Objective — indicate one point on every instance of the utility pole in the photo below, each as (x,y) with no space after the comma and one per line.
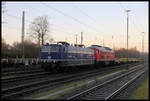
(76,38)
(143,45)
(113,42)
(103,42)
(81,38)
(23,36)
(127,34)
(100,42)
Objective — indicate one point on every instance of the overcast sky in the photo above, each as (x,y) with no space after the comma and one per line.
(98,21)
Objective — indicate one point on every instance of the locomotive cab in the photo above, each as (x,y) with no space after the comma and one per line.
(51,52)
(52,55)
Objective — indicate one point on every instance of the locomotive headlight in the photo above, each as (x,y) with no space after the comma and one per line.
(49,57)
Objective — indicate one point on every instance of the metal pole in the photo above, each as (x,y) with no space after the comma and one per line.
(103,41)
(143,45)
(23,36)
(127,34)
(113,42)
(81,38)
(127,38)
(76,39)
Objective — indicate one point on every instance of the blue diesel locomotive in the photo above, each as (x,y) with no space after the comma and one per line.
(63,55)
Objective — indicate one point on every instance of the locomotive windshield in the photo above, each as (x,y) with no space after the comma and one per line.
(50,48)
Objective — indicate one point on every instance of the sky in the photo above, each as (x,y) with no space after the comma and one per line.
(98,21)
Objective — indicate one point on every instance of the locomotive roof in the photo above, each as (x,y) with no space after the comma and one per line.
(63,42)
(71,47)
(97,45)
(105,49)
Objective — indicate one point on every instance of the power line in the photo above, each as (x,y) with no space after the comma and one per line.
(62,31)
(18,17)
(76,20)
(84,13)
(63,13)
(31,22)
(122,7)
(94,21)
(132,19)
(51,24)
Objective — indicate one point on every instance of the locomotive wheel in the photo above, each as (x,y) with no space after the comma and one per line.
(53,68)
(65,69)
(75,68)
(96,66)
(58,68)
(47,67)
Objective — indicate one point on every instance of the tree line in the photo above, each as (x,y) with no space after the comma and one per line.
(131,53)
(15,50)
(31,50)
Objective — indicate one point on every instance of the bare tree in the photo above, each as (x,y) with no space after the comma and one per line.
(39,29)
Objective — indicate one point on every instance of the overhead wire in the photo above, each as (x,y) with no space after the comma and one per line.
(54,24)
(13,16)
(74,19)
(131,17)
(131,20)
(94,21)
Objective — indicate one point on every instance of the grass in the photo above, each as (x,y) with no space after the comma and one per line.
(7,77)
(74,84)
(142,92)
(55,90)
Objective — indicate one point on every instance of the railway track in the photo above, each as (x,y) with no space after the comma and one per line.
(110,88)
(16,91)
(21,72)
(25,75)
(41,83)
(19,68)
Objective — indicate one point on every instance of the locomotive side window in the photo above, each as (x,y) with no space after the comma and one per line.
(45,49)
(96,52)
(54,49)
(63,49)
(50,49)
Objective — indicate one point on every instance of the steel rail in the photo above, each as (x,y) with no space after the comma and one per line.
(45,82)
(114,94)
(100,85)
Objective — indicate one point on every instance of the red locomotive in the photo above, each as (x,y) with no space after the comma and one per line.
(103,55)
